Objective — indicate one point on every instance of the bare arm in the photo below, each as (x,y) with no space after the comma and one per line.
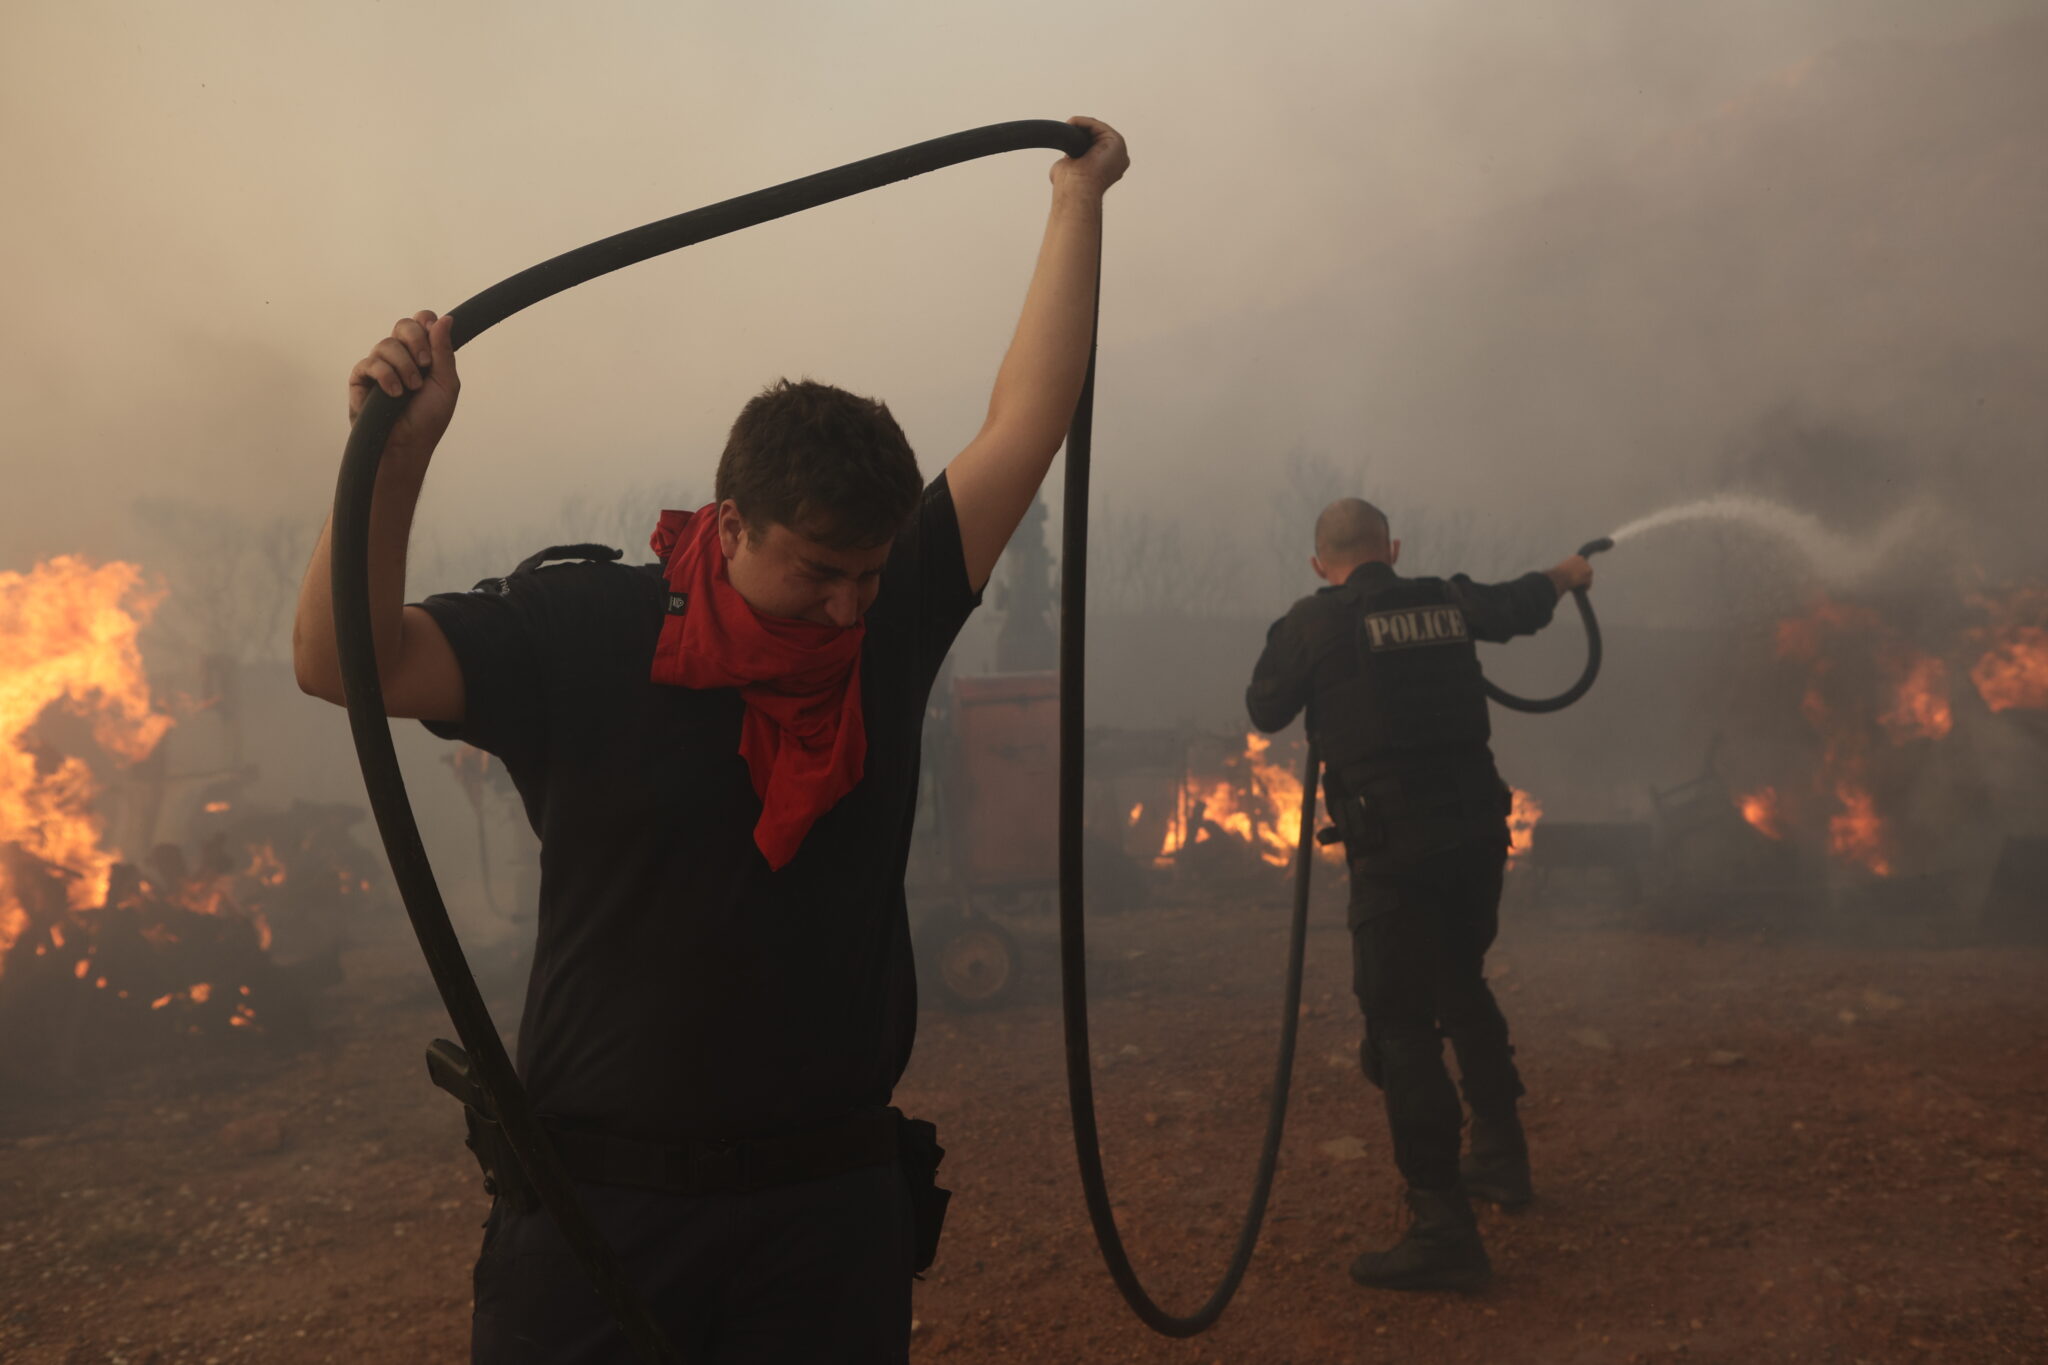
(995,478)
(414,662)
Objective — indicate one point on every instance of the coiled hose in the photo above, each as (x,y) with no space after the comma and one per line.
(413,874)
(1545,705)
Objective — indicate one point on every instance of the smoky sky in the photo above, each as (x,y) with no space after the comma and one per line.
(1550,264)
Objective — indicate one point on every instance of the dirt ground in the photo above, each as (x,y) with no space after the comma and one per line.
(1746,1150)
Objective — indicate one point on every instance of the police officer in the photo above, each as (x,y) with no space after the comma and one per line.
(1386,668)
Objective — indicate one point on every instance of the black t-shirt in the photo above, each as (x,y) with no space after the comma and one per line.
(680,988)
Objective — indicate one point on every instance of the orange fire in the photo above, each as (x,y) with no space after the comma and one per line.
(264,866)
(1920,708)
(1914,705)
(2012,674)
(1760,809)
(1857,832)
(1259,804)
(1524,812)
(68,636)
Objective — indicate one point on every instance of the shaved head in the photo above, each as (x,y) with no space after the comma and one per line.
(1352,531)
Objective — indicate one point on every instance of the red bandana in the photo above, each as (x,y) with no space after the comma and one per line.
(803,738)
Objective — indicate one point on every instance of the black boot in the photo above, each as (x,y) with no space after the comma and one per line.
(1497,1168)
(1441,1249)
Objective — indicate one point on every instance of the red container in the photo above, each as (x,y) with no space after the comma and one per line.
(1008,789)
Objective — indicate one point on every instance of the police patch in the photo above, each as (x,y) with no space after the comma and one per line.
(1408,627)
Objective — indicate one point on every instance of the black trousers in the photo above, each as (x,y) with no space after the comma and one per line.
(816,1272)
(1419,935)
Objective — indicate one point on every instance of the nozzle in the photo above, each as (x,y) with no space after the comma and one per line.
(1594,547)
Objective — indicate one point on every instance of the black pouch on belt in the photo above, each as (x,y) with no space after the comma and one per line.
(917,1148)
(1361,829)
(448,1066)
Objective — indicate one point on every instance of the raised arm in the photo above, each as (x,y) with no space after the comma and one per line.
(417,668)
(1498,612)
(995,478)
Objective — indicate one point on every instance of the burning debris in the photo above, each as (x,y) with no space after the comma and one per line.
(67,637)
(1877,701)
(1232,808)
(2012,673)
(1233,804)
(103,959)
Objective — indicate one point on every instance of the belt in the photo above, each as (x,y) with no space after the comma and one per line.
(731,1167)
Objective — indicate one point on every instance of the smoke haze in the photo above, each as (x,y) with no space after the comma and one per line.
(1541,270)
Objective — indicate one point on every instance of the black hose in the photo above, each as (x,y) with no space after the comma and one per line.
(1073,944)
(356,641)
(1544,705)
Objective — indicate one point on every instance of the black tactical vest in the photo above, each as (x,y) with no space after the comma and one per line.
(1403,688)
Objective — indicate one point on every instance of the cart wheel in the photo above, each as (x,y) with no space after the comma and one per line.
(973,962)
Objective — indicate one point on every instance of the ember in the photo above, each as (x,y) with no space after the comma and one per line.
(1760,809)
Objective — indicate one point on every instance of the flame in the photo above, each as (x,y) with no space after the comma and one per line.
(1523,814)
(1760,809)
(1916,706)
(2012,673)
(68,635)
(1137,814)
(1857,832)
(265,866)
(68,638)
(1259,806)
(1920,708)
(216,807)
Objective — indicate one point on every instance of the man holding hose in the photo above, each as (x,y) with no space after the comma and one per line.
(1386,669)
(719,752)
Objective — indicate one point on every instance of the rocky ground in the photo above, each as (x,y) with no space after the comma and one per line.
(1747,1150)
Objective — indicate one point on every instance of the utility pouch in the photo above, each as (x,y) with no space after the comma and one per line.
(449,1067)
(1361,829)
(918,1150)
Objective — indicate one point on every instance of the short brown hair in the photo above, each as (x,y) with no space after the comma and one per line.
(1352,526)
(826,463)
